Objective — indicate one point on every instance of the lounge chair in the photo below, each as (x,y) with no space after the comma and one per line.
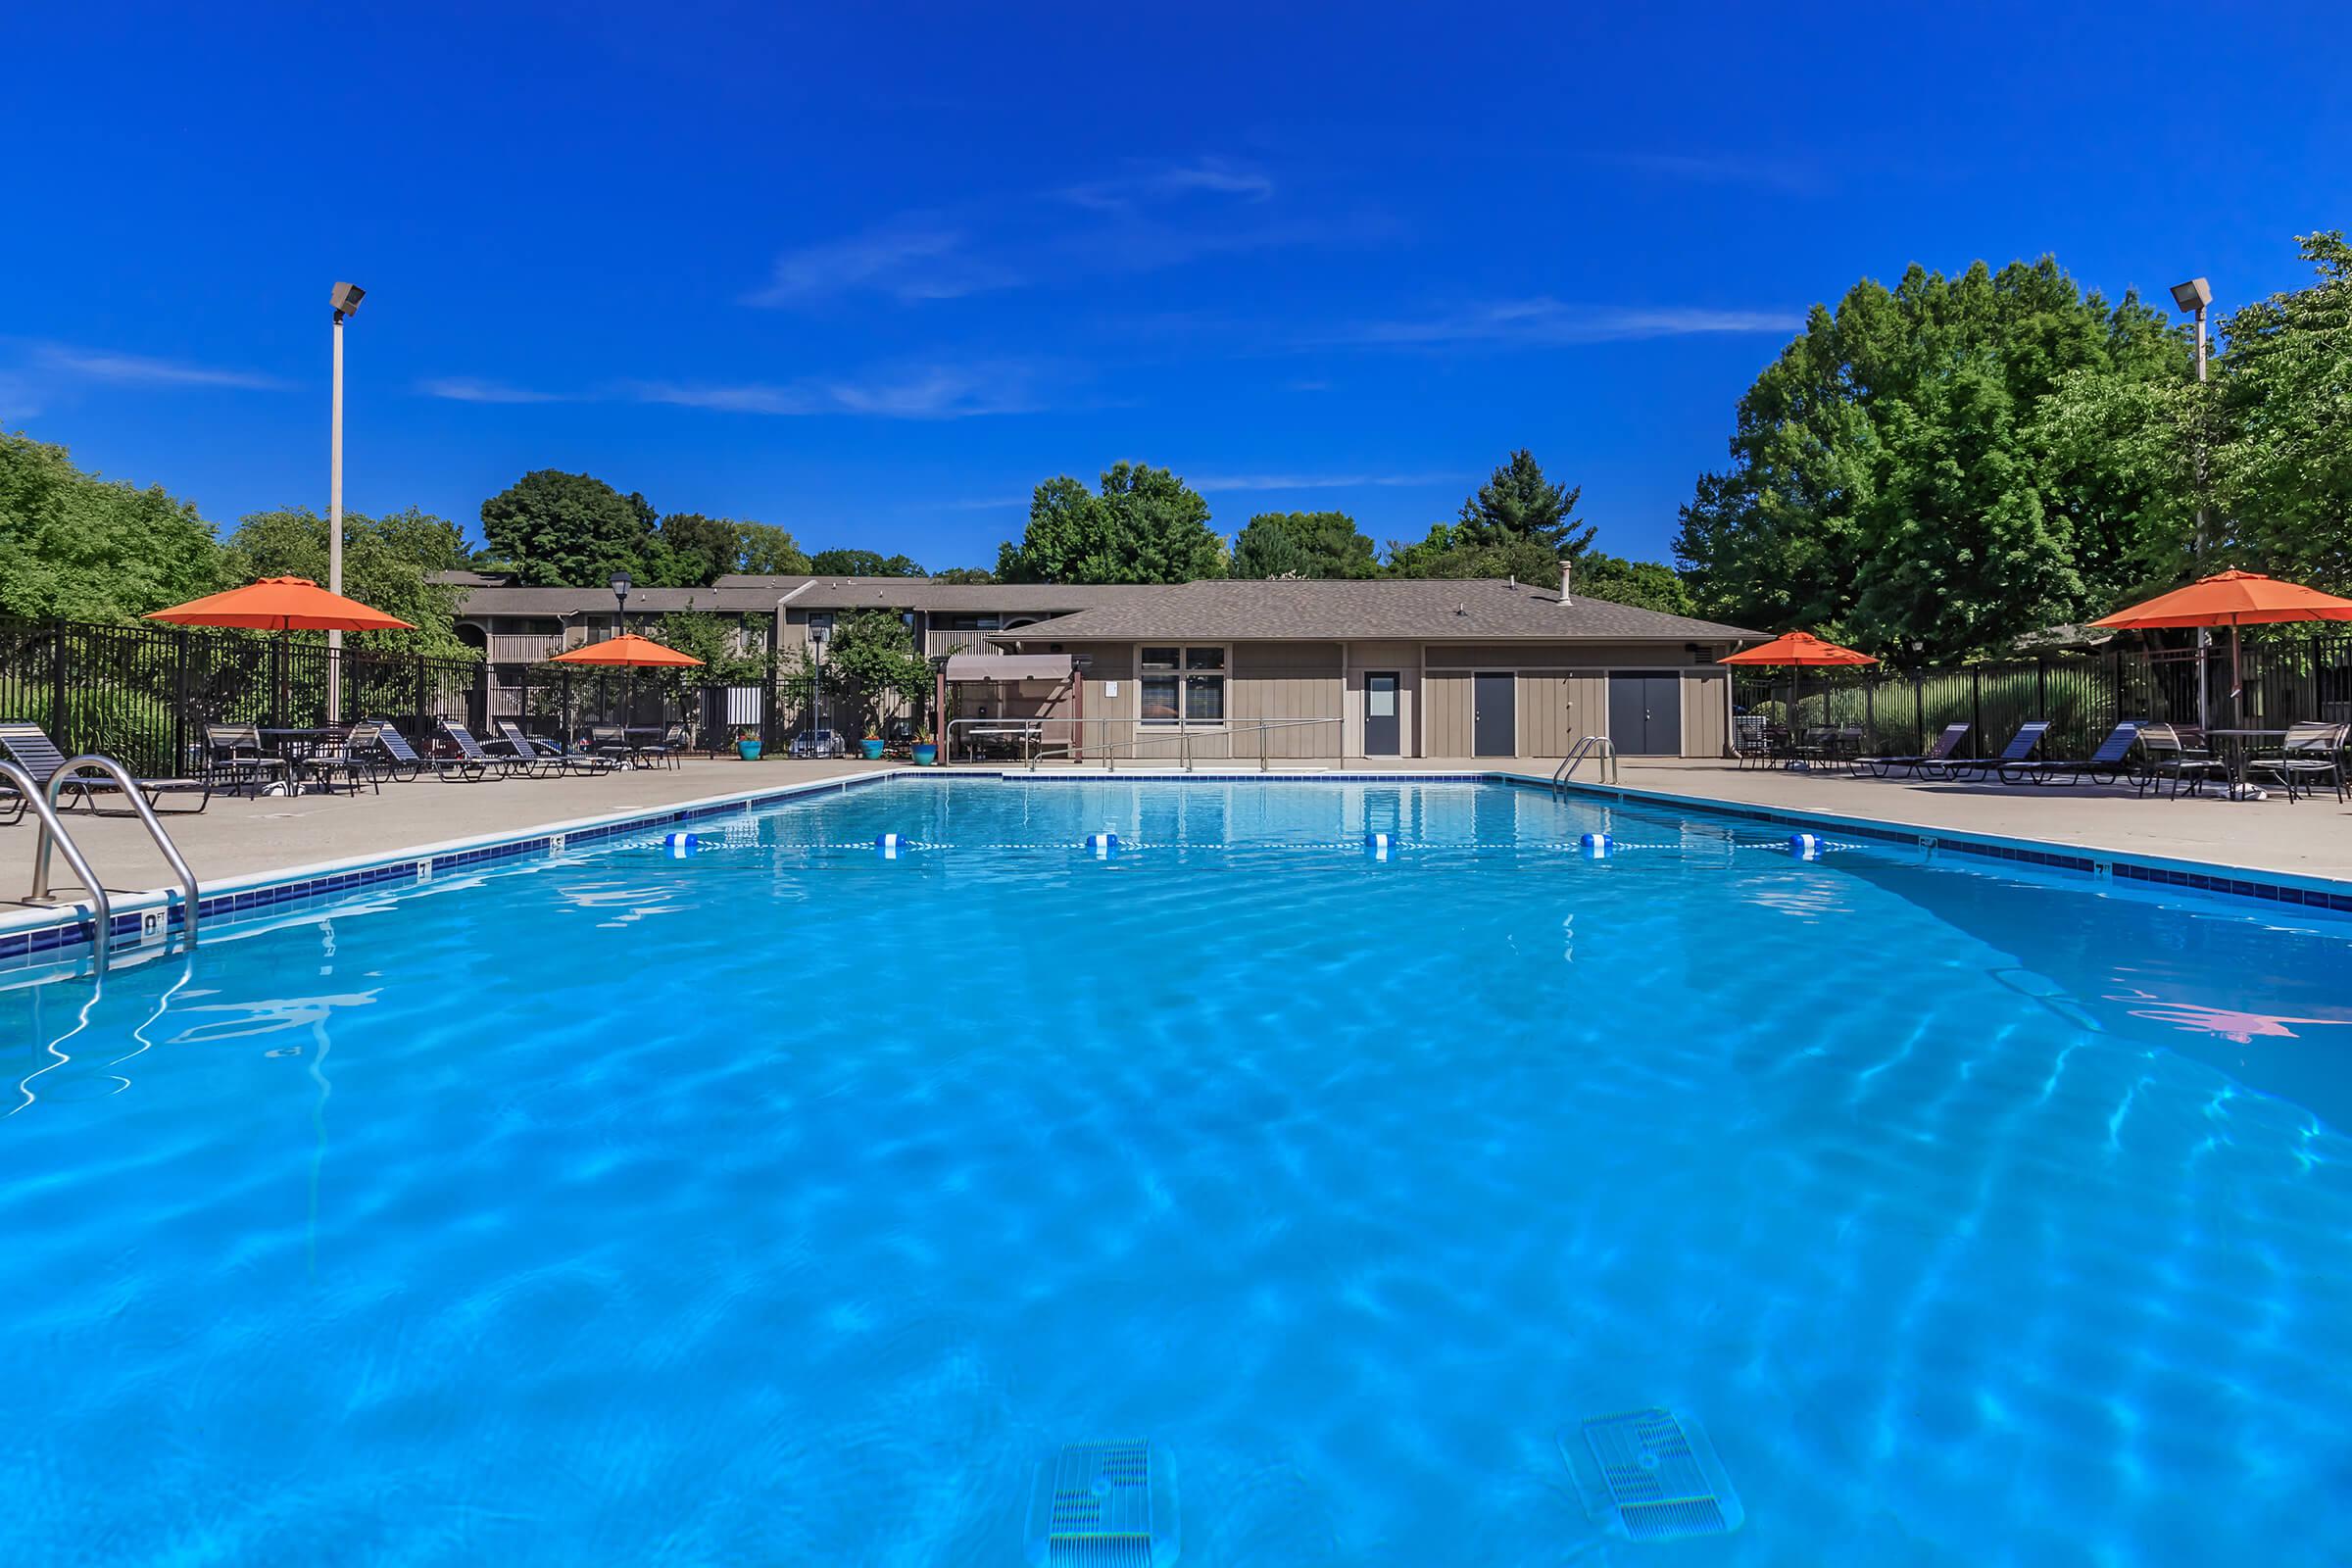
(2312,750)
(548,758)
(346,754)
(2168,756)
(471,752)
(29,746)
(235,758)
(1945,744)
(2105,766)
(390,756)
(2021,748)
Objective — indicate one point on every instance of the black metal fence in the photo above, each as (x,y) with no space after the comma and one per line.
(2084,696)
(144,694)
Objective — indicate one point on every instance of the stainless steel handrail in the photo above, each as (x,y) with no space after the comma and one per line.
(54,831)
(1028,730)
(1600,745)
(88,761)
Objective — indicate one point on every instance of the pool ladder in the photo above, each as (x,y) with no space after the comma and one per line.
(42,802)
(1600,747)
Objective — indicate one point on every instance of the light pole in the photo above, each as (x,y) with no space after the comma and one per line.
(346,299)
(621,601)
(816,702)
(2195,297)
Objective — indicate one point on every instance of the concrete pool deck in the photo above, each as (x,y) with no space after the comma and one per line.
(239,837)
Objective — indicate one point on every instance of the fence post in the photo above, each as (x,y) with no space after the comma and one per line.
(1918,707)
(423,730)
(179,702)
(2041,686)
(57,687)
(1975,710)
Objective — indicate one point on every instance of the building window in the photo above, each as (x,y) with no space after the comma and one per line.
(1186,681)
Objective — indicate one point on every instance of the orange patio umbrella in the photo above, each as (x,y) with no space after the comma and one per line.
(628,650)
(1798,649)
(282,604)
(2232,598)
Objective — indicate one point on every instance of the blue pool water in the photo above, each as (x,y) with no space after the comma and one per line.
(785,1204)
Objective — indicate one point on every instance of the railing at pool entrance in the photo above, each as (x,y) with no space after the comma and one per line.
(1074,740)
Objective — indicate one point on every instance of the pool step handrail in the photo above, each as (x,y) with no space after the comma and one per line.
(36,801)
(1030,731)
(54,835)
(1600,747)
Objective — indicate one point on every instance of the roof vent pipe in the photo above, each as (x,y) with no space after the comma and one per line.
(1567,571)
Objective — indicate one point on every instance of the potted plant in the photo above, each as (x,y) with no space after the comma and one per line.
(747,744)
(926,752)
(872,746)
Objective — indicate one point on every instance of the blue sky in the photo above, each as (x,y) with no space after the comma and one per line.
(871,271)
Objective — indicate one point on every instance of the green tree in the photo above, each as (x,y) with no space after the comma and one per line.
(568,530)
(1302,544)
(871,657)
(1519,502)
(861,563)
(1145,525)
(769,551)
(964,575)
(80,547)
(700,549)
(717,641)
(1449,551)
(1891,474)
(1644,584)
(384,564)
(2282,454)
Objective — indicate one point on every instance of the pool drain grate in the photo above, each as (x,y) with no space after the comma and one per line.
(1104,1505)
(1651,1474)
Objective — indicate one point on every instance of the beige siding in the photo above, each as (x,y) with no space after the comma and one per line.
(1274,681)
(1403,660)
(1705,727)
(1449,696)
(1557,705)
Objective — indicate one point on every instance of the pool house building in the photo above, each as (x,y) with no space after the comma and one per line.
(1309,670)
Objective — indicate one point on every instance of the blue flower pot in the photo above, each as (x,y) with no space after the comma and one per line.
(926,754)
(749,750)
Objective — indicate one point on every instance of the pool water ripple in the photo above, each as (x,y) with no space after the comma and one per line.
(786,1203)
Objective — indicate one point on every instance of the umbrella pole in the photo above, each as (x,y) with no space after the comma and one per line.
(2237,681)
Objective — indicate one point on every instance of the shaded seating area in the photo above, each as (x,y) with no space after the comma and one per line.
(2310,755)
(2021,749)
(2110,762)
(1946,747)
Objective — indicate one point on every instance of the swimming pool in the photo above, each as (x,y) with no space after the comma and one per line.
(784,1203)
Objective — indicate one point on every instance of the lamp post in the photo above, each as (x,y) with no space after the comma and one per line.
(346,299)
(2195,297)
(817,721)
(620,601)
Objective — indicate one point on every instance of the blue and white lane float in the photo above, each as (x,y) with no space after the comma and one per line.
(888,846)
(1806,846)
(1596,845)
(1380,846)
(678,845)
(1105,844)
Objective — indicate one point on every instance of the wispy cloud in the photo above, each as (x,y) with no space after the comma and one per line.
(1210,177)
(139,369)
(913,257)
(1213,482)
(19,399)
(474,389)
(1145,219)
(1543,320)
(928,392)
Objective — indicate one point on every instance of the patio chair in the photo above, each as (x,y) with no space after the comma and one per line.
(1944,746)
(2021,748)
(29,746)
(2169,755)
(1751,740)
(2314,751)
(236,760)
(345,754)
(612,741)
(389,754)
(471,752)
(548,758)
(2105,766)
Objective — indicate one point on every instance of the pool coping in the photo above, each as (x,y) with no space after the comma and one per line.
(149,917)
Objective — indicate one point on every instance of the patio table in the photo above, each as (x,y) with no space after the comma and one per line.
(2238,752)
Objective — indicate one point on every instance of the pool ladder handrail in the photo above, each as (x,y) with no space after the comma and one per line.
(1600,745)
(43,801)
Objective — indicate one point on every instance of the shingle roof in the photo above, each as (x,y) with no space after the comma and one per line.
(1443,610)
(740,594)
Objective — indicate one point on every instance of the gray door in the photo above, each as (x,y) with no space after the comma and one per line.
(1383,735)
(1495,715)
(1645,713)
